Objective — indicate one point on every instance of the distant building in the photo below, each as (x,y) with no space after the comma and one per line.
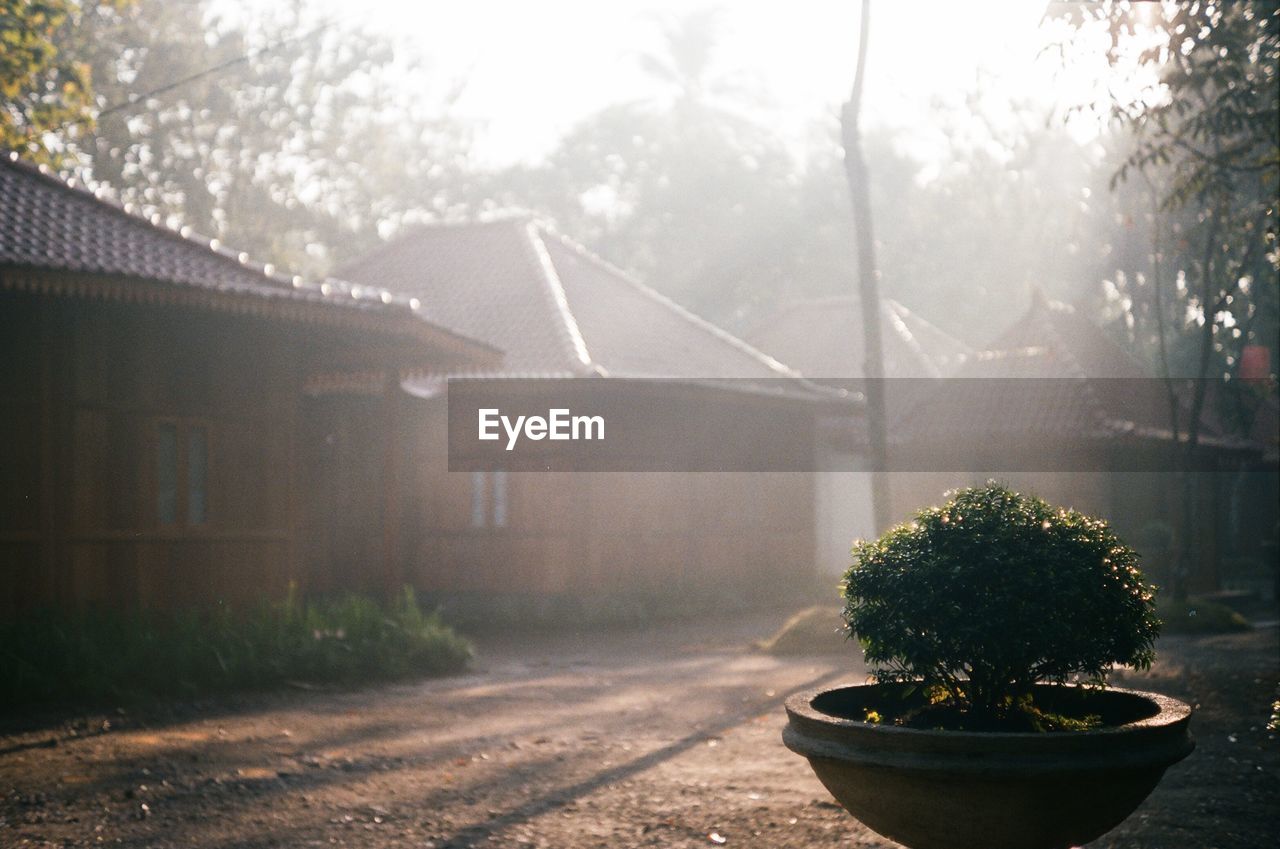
(655,538)
(159,443)
(822,339)
(1058,408)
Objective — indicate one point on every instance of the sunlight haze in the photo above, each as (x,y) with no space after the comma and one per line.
(530,71)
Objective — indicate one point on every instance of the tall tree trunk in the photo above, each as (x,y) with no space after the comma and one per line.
(1184,544)
(1187,548)
(855,168)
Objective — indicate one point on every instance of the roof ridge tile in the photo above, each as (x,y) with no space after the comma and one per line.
(570,333)
(701,323)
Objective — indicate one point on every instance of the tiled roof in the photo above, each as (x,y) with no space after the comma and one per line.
(485,281)
(554,307)
(822,338)
(1054,340)
(1053,374)
(48,224)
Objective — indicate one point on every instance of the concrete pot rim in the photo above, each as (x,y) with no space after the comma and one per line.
(1160,738)
(1171,711)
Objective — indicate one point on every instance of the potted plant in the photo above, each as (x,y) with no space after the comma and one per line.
(991,623)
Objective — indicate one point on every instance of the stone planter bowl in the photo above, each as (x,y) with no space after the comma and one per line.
(980,790)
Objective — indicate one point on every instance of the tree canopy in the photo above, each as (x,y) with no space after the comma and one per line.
(300,141)
(47,90)
(1206,150)
(281,133)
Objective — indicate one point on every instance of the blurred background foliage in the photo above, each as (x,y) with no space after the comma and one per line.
(299,141)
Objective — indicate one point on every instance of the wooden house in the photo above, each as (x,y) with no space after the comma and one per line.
(1057,408)
(639,540)
(822,339)
(180,427)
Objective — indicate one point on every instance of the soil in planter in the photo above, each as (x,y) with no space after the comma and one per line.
(1048,709)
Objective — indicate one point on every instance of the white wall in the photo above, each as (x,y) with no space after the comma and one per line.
(842,502)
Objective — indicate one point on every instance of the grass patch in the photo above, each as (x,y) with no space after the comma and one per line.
(1197,616)
(814,630)
(94,657)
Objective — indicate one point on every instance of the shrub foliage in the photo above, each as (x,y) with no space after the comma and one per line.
(985,596)
(97,656)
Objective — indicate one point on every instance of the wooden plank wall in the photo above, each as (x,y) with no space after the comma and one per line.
(89,386)
(342,441)
(743,537)
(24,454)
(338,493)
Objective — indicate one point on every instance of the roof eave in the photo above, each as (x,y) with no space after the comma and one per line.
(286,305)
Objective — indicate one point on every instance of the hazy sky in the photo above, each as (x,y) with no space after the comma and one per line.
(533,69)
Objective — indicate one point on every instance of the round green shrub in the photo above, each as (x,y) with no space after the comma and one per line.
(993,592)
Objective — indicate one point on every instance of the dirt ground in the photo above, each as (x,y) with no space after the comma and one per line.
(667,737)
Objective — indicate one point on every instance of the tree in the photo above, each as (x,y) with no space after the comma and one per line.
(693,190)
(44,89)
(1207,146)
(686,57)
(1209,153)
(279,133)
(868,281)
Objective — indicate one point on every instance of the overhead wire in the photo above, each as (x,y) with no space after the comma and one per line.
(135,99)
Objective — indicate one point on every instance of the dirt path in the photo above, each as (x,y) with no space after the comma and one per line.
(664,738)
